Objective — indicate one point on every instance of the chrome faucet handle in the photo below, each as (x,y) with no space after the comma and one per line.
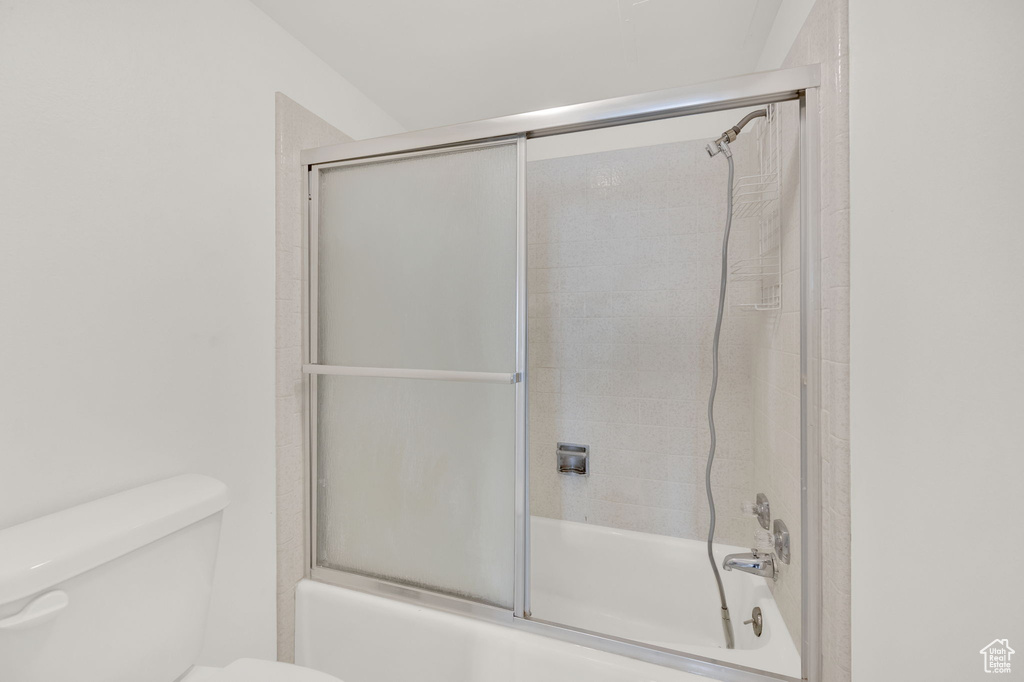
(764,541)
(760,508)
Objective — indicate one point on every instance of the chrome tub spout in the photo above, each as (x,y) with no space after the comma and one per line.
(758,563)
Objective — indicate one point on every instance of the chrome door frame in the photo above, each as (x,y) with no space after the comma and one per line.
(800,84)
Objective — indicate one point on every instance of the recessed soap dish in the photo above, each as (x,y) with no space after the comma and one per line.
(573,459)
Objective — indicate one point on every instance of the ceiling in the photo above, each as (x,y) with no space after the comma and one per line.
(435,62)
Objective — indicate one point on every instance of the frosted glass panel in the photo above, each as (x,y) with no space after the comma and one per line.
(417,262)
(416,483)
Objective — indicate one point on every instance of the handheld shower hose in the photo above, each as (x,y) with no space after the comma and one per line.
(721,145)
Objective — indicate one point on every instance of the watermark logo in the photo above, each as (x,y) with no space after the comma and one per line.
(997,656)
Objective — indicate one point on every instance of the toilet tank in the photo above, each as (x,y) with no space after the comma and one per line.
(115,590)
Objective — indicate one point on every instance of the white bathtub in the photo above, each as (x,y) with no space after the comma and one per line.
(653,589)
(630,585)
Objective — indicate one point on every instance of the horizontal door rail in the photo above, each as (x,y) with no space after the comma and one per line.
(432,374)
(749,90)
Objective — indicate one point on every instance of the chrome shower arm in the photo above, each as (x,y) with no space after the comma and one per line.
(731,134)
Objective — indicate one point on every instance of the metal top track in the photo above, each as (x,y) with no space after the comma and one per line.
(741,91)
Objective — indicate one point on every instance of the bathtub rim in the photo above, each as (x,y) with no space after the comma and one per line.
(798,84)
(641,651)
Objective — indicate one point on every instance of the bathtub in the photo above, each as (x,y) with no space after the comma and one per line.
(630,585)
(653,589)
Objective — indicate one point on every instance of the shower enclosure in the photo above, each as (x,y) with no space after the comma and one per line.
(448,281)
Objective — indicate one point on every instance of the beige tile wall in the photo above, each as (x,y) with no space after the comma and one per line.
(776,382)
(296,129)
(624,254)
(824,40)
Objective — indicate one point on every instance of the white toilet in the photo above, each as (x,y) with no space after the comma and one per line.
(117,590)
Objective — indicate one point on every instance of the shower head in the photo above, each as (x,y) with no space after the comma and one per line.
(730,135)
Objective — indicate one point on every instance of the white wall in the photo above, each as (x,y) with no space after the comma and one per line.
(937,362)
(789,20)
(137,263)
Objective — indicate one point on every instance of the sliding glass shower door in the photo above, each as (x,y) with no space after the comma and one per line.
(421,489)
(414,362)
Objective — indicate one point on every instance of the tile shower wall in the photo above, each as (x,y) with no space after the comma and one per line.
(297,128)
(776,380)
(624,256)
(824,40)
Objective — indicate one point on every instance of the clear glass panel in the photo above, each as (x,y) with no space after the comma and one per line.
(416,481)
(417,262)
(621,361)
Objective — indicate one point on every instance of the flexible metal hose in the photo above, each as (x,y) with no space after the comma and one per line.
(726,622)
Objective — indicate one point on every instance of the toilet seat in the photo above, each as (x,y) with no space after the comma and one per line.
(252,670)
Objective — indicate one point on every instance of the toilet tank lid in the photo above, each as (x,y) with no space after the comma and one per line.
(42,553)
